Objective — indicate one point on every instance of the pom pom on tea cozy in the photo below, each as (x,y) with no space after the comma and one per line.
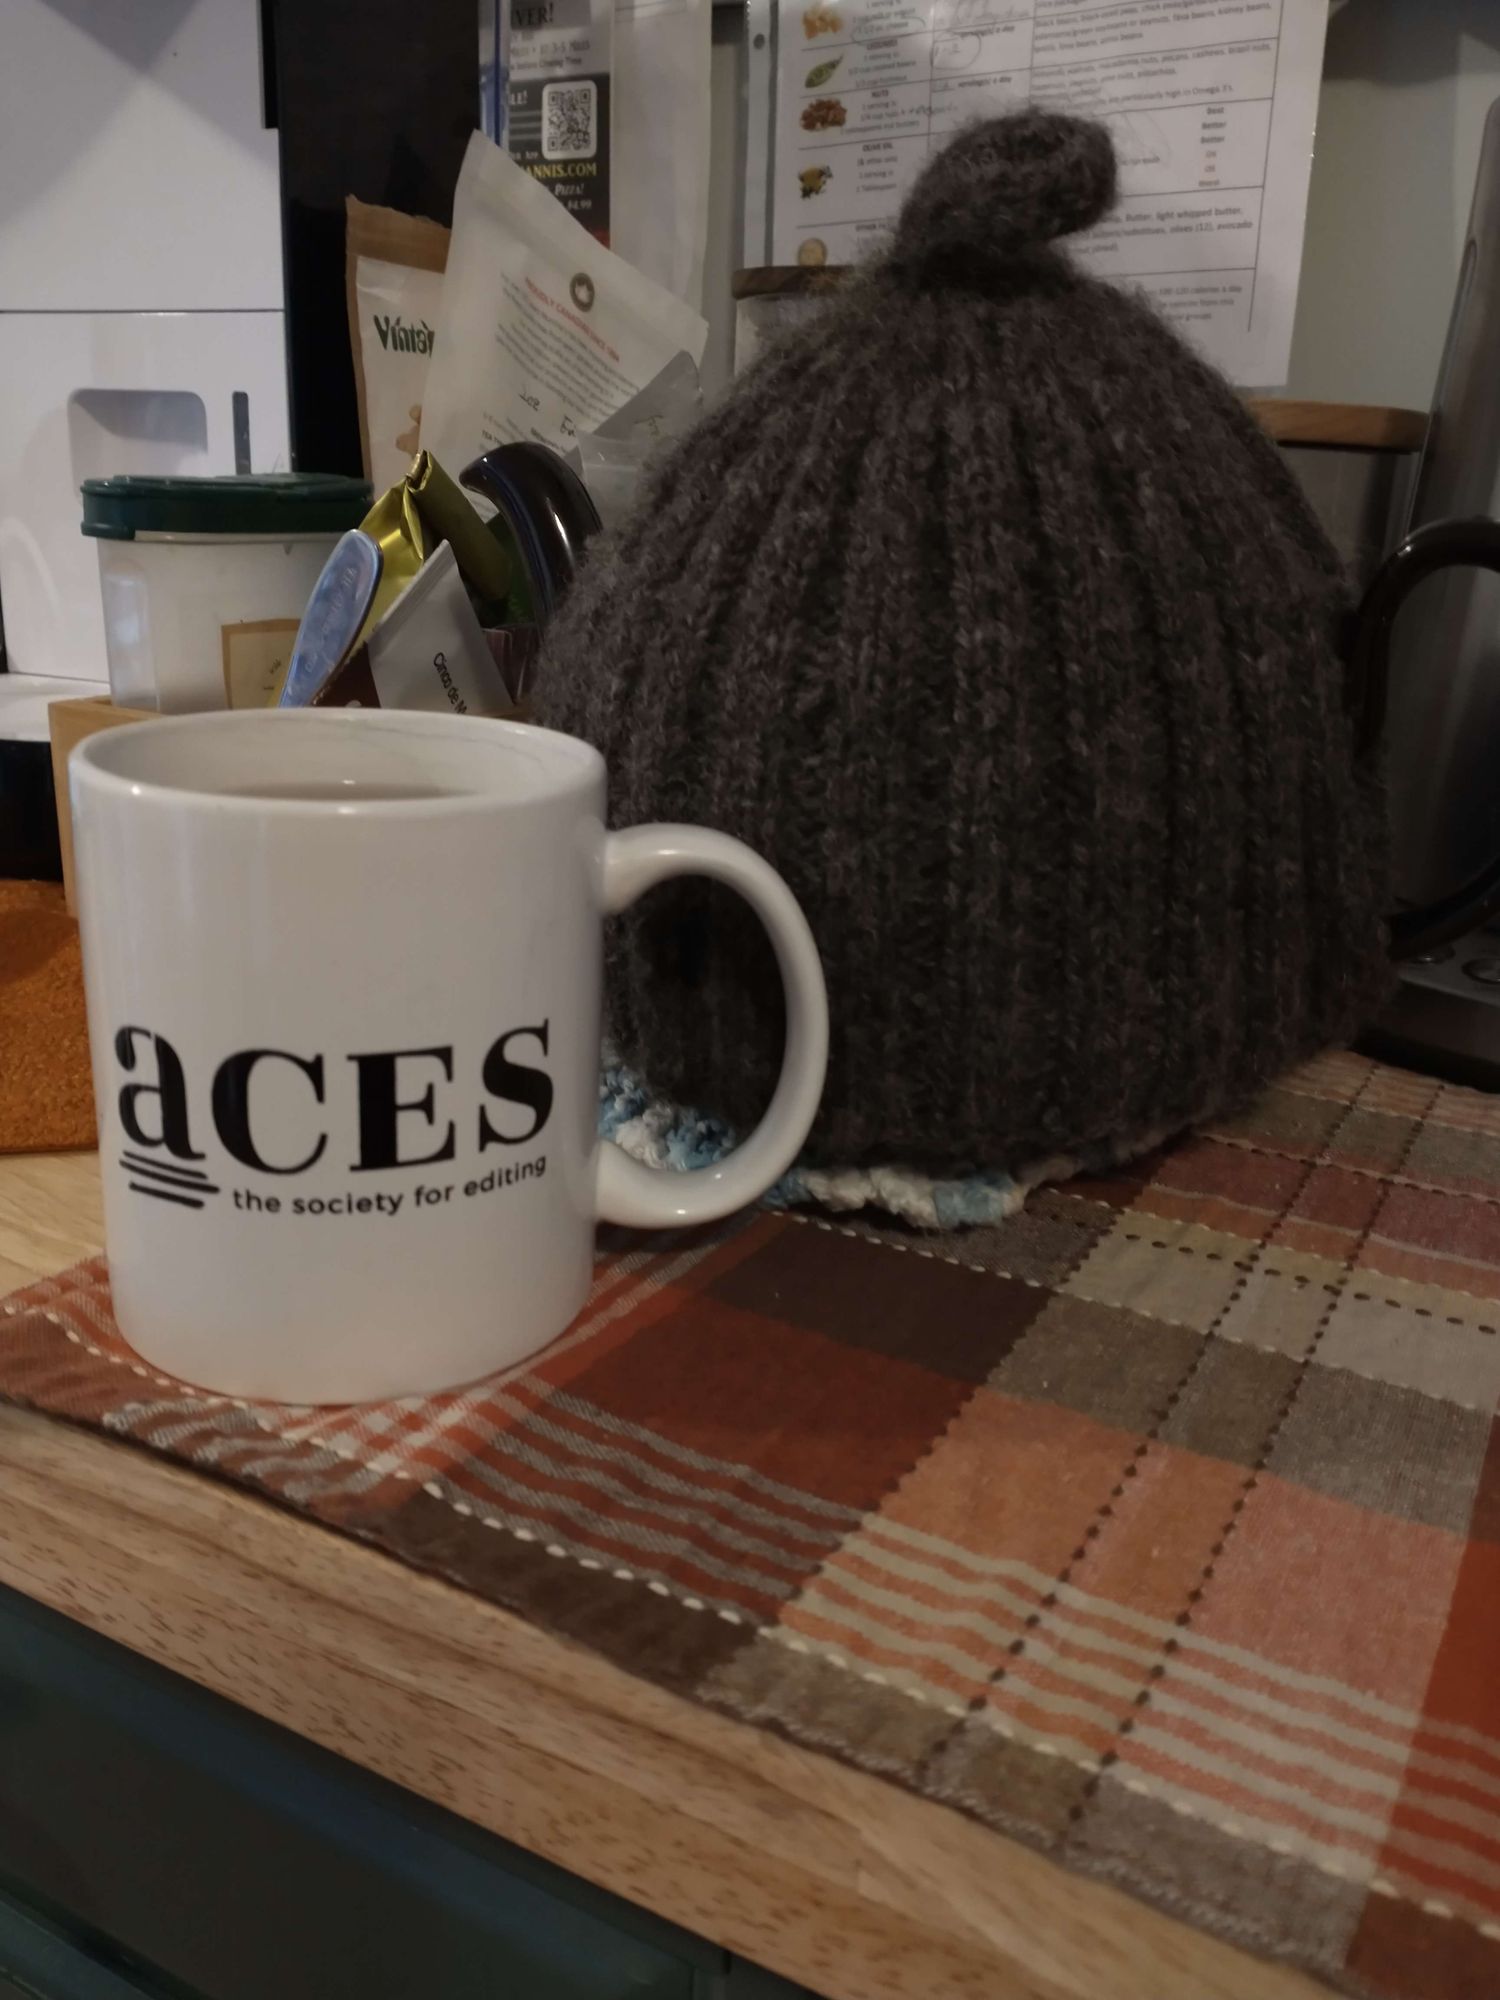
(984,611)
(1003,187)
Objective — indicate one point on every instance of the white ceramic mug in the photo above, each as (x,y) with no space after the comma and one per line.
(343,976)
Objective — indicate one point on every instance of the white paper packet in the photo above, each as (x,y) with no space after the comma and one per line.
(544,332)
(611,460)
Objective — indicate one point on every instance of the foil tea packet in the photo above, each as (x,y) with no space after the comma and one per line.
(428,652)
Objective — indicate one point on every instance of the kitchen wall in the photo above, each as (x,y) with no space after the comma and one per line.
(1406,86)
(726,209)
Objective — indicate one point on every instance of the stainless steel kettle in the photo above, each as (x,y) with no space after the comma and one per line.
(1431,688)
(1471,900)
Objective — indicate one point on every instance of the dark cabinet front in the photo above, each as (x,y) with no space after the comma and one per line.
(156,1840)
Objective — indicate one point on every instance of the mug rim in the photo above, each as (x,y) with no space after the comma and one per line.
(571,762)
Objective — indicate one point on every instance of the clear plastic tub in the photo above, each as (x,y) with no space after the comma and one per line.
(204,580)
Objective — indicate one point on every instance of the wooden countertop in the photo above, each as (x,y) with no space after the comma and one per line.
(823,1874)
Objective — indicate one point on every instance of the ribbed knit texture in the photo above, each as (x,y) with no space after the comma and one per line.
(984,611)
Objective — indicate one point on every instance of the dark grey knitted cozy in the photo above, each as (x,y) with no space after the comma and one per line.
(984,611)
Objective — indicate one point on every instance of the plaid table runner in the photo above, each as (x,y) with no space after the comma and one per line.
(1158,1526)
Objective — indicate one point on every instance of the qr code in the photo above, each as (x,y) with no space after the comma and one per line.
(570,121)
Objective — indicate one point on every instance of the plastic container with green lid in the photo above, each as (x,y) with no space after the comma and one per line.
(204,580)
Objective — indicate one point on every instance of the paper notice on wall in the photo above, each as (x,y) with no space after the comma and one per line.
(558,99)
(1212,104)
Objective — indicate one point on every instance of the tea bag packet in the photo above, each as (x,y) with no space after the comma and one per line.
(396,525)
(427,652)
(416,517)
(393,285)
(485,561)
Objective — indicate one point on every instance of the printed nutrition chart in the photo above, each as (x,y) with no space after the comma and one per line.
(1212,104)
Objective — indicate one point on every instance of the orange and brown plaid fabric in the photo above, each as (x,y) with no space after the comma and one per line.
(1158,1526)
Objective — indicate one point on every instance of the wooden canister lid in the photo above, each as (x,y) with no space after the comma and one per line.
(1346,426)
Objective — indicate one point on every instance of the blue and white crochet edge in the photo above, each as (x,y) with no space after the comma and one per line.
(662,1134)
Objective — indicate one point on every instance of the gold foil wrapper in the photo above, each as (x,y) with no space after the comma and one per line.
(397,524)
(450,517)
(411,520)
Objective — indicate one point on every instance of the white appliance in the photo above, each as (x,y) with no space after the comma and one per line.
(141,322)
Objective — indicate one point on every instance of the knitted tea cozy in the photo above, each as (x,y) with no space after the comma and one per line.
(984,611)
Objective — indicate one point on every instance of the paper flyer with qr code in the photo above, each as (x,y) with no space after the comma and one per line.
(558,101)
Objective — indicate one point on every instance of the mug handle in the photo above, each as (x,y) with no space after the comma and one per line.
(644,1197)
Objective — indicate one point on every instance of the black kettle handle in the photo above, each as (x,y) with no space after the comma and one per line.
(1471,543)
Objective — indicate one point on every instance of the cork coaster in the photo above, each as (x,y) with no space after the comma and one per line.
(46,1097)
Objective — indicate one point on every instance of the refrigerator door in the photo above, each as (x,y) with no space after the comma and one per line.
(139,170)
(88,394)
